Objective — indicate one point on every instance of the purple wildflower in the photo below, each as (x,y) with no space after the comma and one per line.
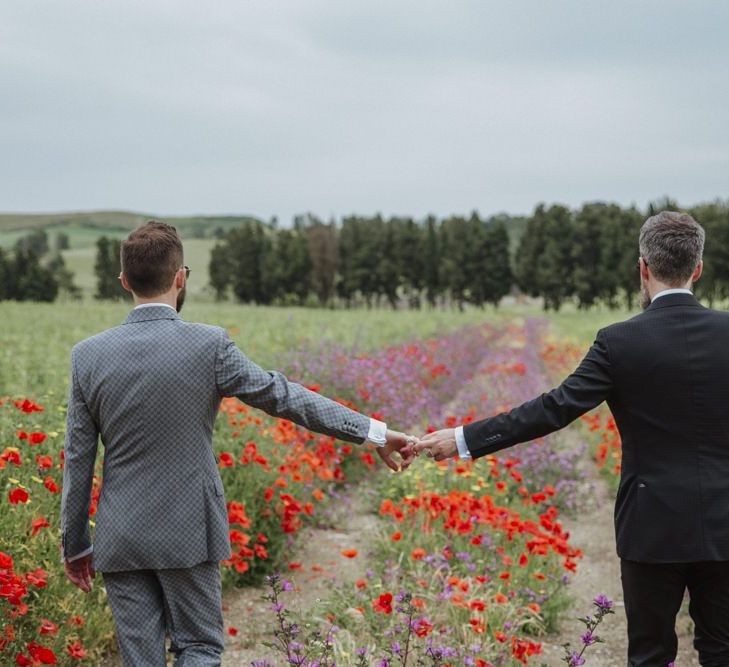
(603,602)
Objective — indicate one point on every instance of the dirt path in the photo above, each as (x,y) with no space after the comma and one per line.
(599,572)
(352,527)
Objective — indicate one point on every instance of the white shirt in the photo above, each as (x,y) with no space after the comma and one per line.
(463,452)
(673,290)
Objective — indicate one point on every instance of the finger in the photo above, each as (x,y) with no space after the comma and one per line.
(74,579)
(423,444)
(87,577)
(430,437)
(406,462)
(389,462)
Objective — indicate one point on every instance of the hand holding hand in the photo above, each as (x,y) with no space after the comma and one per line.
(402,444)
(80,572)
(439,445)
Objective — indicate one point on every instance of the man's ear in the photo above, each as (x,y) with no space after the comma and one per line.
(644,274)
(698,271)
(124,282)
(180,279)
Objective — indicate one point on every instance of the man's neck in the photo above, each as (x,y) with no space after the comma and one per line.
(656,288)
(166,299)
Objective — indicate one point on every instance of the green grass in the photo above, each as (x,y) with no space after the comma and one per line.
(80,256)
(194,225)
(37,338)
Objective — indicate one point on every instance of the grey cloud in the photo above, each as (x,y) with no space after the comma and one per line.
(401,107)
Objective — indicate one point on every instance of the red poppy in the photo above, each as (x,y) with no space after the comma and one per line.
(76,650)
(226,460)
(37,524)
(37,578)
(477,625)
(48,628)
(349,553)
(11,455)
(423,628)
(28,406)
(44,461)
(18,495)
(383,604)
(6,561)
(41,654)
(51,485)
(36,438)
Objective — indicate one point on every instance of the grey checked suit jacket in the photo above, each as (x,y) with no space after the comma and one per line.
(152,388)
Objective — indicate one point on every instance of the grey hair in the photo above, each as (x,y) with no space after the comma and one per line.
(672,245)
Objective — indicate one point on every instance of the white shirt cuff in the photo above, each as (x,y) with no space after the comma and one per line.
(462,446)
(85,552)
(378,433)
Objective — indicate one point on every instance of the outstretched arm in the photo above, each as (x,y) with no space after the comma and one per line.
(237,375)
(582,391)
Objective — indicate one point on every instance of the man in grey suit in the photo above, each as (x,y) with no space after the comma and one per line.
(151,389)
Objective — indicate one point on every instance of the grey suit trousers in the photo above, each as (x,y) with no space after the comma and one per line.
(183,603)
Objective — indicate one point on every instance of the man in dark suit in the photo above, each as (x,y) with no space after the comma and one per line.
(665,377)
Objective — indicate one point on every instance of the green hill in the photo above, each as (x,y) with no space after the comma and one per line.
(84,228)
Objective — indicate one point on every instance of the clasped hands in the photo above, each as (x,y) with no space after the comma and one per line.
(439,445)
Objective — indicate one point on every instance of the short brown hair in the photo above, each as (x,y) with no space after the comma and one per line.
(672,245)
(150,257)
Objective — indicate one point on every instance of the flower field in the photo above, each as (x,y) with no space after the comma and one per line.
(471,562)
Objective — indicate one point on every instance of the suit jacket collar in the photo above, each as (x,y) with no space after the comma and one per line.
(151,313)
(670,300)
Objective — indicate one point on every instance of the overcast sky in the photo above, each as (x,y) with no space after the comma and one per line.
(275,107)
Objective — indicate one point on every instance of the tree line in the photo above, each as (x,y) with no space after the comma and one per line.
(33,270)
(587,255)
(366,261)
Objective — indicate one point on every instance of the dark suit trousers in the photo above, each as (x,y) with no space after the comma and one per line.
(653,593)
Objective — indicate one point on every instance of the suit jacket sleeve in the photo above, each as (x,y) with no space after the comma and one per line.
(582,391)
(237,375)
(79,449)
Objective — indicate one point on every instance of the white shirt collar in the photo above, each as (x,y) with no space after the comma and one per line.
(674,290)
(148,305)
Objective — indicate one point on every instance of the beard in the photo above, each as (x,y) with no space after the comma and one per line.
(181,299)
(645,297)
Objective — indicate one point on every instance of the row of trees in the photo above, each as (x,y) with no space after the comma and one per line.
(366,261)
(588,255)
(591,254)
(35,271)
